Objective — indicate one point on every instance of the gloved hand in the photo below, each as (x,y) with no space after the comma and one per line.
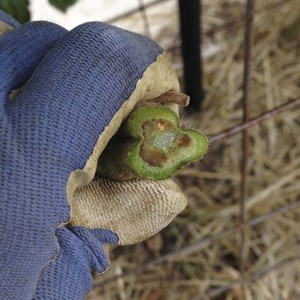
(75,90)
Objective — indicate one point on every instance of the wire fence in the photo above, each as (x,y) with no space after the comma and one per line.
(244,223)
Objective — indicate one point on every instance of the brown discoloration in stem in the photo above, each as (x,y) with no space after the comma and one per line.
(184,141)
(154,158)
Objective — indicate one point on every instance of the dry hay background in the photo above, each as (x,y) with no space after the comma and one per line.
(213,186)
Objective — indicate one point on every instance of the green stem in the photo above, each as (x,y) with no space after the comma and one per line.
(150,144)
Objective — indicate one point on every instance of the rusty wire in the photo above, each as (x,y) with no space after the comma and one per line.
(245,133)
(254,121)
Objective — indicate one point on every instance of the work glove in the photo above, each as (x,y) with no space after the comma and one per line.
(63,95)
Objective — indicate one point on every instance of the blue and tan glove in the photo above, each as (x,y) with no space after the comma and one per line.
(63,95)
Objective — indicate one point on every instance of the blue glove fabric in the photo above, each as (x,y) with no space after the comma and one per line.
(75,83)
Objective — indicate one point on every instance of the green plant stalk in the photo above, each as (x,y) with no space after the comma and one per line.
(150,144)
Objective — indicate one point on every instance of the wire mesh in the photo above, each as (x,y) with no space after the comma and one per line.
(242,226)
